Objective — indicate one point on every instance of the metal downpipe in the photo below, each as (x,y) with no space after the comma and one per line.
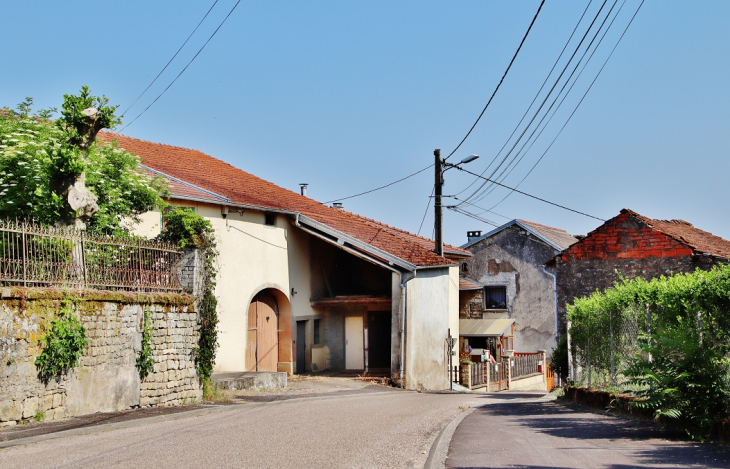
(403,280)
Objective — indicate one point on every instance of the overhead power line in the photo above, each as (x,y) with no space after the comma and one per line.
(186,67)
(428,205)
(577,105)
(339,199)
(173,58)
(381,187)
(471,215)
(570,38)
(532,138)
(529,195)
(484,210)
(500,81)
(544,101)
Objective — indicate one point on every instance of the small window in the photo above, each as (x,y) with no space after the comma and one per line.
(270,218)
(495,297)
(316,332)
(464,267)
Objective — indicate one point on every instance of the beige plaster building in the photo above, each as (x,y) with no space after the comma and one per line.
(305,287)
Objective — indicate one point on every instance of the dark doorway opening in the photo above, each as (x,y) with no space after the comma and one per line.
(301,346)
(379,339)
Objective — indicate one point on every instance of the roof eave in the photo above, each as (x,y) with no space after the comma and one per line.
(342,239)
(185,183)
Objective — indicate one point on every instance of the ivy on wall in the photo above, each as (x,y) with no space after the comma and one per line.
(62,346)
(188,229)
(145,361)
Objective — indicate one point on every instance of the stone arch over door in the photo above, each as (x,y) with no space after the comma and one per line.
(269,343)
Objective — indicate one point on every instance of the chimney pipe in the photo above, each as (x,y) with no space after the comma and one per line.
(303,187)
(337,205)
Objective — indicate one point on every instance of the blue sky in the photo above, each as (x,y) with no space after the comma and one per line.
(348,96)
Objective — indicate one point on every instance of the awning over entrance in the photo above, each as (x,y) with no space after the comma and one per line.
(484,327)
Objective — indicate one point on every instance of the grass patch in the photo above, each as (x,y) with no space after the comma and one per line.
(212,393)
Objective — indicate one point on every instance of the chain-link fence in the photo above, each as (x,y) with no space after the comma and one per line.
(601,346)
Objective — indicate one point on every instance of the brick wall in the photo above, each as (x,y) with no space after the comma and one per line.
(623,246)
(471,304)
(106,378)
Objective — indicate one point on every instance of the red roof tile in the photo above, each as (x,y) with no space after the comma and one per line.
(466,284)
(211,174)
(684,232)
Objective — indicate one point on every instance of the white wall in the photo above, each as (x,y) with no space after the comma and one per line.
(432,302)
(252,256)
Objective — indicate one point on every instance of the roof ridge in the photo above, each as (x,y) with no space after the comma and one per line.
(115,134)
(543,226)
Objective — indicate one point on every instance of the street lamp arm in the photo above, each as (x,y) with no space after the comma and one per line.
(441,166)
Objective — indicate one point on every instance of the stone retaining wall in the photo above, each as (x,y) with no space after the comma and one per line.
(106,378)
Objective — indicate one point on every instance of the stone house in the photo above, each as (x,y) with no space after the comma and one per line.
(629,246)
(307,287)
(507,265)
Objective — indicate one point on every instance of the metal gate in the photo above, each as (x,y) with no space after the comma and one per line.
(498,375)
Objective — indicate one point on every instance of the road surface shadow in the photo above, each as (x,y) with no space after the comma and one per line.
(665,448)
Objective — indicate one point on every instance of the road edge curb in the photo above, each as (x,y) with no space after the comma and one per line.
(440,447)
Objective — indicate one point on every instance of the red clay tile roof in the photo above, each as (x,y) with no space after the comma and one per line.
(211,174)
(682,231)
(467,284)
(561,238)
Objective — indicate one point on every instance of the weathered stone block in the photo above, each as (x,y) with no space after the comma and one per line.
(30,407)
(10,410)
(46,403)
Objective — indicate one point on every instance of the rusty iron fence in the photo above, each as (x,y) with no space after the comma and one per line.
(41,256)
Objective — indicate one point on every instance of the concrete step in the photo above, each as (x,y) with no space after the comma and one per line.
(252,380)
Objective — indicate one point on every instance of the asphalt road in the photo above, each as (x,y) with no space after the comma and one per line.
(366,426)
(391,428)
(540,434)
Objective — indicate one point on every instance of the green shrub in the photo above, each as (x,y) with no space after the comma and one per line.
(62,347)
(36,156)
(685,383)
(671,343)
(559,358)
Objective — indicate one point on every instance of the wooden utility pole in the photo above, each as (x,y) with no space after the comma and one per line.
(438,183)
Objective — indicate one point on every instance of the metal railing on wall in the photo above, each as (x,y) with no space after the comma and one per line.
(40,256)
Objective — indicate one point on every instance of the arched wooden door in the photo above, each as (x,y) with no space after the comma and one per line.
(262,350)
